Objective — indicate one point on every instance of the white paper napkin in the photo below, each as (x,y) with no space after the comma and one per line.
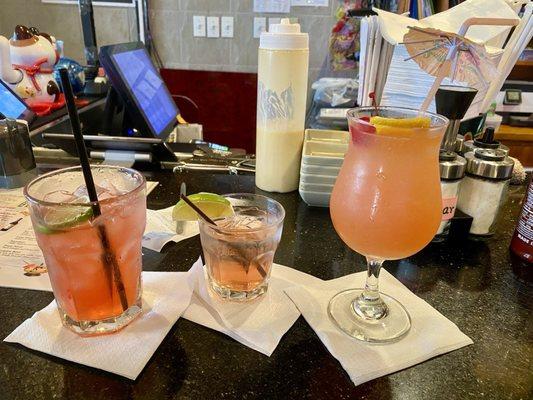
(161,229)
(431,333)
(165,296)
(259,324)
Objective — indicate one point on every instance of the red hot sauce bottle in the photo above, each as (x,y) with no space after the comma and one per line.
(522,241)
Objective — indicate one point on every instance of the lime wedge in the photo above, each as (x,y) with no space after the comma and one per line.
(214,205)
(62,218)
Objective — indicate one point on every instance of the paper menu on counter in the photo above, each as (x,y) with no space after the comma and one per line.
(21,260)
(12,209)
(161,229)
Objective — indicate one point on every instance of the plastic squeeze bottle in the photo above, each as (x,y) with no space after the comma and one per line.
(281,99)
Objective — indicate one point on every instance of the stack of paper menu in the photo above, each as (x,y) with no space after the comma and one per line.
(383,68)
(515,46)
(374,59)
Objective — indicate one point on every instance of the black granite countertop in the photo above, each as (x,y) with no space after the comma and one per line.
(471,283)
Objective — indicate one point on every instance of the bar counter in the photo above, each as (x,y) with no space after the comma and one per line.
(475,284)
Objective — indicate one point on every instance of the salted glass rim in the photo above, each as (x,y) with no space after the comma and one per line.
(352,117)
(34,199)
(268,225)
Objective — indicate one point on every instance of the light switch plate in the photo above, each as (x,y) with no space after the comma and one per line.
(198,23)
(260,25)
(226,27)
(213,27)
(273,20)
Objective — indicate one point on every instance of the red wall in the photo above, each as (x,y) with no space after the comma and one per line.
(226,104)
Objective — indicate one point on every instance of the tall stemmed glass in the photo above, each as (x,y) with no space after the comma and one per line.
(386,205)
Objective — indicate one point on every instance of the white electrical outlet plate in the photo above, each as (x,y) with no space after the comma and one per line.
(198,23)
(226,27)
(260,25)
(272,21)
(213,27)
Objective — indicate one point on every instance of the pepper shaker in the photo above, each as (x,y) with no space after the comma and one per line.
(484,187)
(452,102)
(452,170)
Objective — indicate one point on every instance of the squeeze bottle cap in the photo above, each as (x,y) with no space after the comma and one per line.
(284,36)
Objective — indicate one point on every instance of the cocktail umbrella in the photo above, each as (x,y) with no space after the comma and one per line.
(446,54)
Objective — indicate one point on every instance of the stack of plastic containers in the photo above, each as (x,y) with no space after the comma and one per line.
(322,156)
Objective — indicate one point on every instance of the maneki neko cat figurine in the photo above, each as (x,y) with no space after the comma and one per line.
(27,64)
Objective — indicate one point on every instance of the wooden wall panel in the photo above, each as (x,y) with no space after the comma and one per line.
(226,103)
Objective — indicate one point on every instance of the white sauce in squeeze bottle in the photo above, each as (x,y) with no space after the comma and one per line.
(281,99)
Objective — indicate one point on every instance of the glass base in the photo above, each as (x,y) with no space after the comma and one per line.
(104,326)
(237,295)
(391,326)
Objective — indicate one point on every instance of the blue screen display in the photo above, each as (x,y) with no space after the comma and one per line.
(147,87)
(10,106)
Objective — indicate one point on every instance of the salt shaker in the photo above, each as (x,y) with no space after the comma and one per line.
(484,187)
(452,170)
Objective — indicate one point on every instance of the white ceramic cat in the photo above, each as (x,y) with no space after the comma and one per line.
(27,65)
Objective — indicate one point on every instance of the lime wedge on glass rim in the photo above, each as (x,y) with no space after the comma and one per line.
(62,218)
(214,205)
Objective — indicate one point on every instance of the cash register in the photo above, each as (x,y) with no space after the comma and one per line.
(139,113)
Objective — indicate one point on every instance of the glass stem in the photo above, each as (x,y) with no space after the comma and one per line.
(369,304)
(371,292)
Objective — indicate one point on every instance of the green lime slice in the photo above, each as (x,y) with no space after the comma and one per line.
(62,218)
(214,205)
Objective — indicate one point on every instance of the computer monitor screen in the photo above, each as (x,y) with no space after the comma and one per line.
(135,78)
(12,106)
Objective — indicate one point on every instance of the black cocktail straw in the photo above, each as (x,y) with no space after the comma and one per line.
(109,259)
(198,211)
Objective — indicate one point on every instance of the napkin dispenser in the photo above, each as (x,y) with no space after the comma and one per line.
(17,163)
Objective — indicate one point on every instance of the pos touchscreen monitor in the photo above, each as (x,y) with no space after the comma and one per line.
(140,87)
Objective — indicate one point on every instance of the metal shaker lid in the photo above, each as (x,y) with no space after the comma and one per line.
(489,163)
(471,145)
(451,165)
(486,141)
(460,144)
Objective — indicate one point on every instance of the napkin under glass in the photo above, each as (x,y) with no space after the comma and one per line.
(165,296)
(260,323)
(431,333)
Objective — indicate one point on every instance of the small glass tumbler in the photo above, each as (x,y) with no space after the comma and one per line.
(240,249)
